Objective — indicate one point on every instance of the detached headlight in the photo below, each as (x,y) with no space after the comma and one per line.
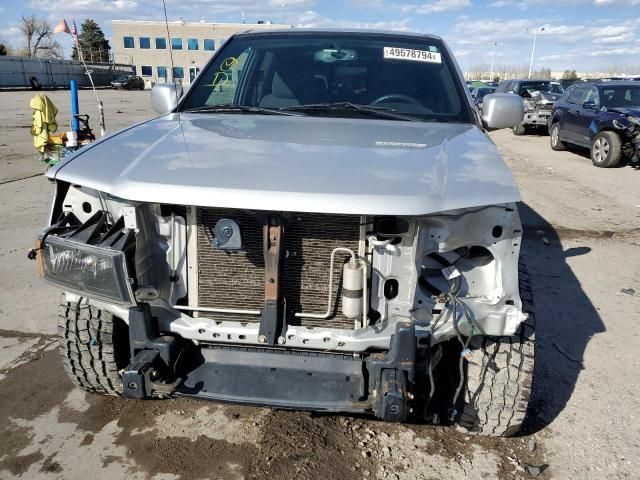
(94,272)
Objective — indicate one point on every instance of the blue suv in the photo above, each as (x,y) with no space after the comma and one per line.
(604,117)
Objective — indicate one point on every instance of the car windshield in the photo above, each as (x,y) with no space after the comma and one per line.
(121,78)
(484,91)
(333,74)
(535,86)
(621,96)
(556,88)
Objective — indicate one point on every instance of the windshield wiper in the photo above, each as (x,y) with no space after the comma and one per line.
(382,112)
(235,108)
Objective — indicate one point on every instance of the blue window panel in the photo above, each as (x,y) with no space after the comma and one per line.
(145,43)
(176,43)
(209,44)
(162,72)
(129,42)
(147,70)
(178,72)
(161,43)
(192,44)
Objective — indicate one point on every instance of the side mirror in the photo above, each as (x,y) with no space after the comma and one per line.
(500,110)
(589,105)
(164,98)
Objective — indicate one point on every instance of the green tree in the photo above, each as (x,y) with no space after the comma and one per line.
(95,48)
(569,75)
(3,50)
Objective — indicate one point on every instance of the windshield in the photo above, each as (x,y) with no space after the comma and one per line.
(403,75)
(484,91)
(121,78)
(535,86)
(556,88)
(621,96)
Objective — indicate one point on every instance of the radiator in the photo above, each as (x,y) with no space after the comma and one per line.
(235,280)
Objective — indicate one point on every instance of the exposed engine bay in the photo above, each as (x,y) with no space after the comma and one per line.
(538,106)
(348,312)
(344,281)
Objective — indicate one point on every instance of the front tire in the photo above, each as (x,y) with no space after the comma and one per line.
(519,130)
(606,150)
(94,346)
(554,136)
(498,385)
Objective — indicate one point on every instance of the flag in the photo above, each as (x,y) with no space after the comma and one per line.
(74,30)
(62,27)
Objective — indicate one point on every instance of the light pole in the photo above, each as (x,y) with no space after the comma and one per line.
(493,56)
(533,49)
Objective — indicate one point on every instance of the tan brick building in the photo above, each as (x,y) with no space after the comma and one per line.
(145,45)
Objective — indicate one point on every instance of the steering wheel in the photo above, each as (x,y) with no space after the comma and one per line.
(397,96)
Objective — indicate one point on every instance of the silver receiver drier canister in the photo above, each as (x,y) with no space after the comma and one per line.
(352,285)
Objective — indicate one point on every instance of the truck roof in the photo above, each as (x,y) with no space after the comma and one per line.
(298,30)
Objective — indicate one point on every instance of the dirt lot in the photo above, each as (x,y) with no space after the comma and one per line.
(582,239)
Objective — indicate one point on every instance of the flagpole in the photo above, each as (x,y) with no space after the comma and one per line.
(76,41)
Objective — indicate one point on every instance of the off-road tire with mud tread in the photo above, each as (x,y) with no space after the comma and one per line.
(94,346)
(498,387)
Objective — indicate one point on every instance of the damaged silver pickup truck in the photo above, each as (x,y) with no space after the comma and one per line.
(320,222)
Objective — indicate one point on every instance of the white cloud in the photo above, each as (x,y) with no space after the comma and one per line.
(441,6)
(84,6)
(311,19)
(292,3)
(559,46)
(606,3)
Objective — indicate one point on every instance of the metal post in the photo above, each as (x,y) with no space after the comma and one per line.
(75,111)
(493,56)
(533,49)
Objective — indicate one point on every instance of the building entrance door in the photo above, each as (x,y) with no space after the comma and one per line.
(193,73)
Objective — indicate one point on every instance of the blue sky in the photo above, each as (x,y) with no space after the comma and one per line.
(586,35)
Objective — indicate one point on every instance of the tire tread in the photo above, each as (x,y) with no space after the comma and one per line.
(496,399)
(89,340)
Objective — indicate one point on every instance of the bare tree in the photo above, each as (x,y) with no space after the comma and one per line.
(39,38)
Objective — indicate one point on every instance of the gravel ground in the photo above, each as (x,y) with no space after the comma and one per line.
(582,233)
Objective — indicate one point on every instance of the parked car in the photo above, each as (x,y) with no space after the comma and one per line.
(538,101)
(332,230)
(479,93)
(129,82)
(603,116)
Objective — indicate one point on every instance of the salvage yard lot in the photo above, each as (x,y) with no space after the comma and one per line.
(582,249)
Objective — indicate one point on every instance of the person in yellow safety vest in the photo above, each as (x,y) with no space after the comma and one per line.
(44,120)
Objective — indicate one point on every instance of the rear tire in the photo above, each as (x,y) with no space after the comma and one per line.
(519,130)
(94,346)
(498,387)
(554,136)
(606,150)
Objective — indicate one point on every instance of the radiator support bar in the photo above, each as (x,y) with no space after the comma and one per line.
(272,322)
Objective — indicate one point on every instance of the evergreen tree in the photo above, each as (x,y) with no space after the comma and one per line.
(95,48)
(3,50)
(569,75)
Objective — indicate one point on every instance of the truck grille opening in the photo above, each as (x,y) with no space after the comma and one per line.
(235,279)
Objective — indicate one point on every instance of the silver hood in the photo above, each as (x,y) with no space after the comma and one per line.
(286,163)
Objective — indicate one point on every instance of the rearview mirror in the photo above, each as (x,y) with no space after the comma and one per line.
(164,97)
(500,110)
(589,105)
